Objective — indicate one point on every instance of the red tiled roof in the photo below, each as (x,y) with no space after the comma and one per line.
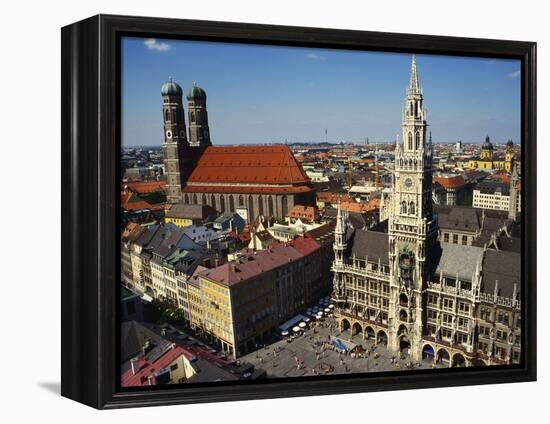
(148,368)
(329,197)
(450,182)
(247,189)
(248,164)
(128,203)
(303,212)
(359,207)
(145,187)
(304,245)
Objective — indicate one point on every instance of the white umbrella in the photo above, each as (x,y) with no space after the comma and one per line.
(327,310)
(302,325)
(331,306)
(296,329)
(284,333)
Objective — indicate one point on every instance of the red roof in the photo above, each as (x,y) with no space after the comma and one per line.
(146,368)
(145,187)
(329,197)
(252,264)
(247,189)
(303,212)
(450,182)
(304,245)
(248,164)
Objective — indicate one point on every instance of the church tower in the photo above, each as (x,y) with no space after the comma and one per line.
(199,133)
(412,228)
(175,140)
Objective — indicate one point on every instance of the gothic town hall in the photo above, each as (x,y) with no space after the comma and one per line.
(399,284)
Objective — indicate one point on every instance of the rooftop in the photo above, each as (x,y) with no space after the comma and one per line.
(248,164)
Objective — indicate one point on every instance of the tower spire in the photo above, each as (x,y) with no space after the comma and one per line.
(414,86)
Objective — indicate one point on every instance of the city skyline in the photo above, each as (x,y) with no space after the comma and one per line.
(272,94)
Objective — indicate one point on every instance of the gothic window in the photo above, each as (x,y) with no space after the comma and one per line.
(222,203)
(192,116)
(231,203)
(204,199)
(401,163)
(195,201)
(250,208)
(284,204)
(166,115)
(213,201)
(270,205)
(417,141)
(241,200)
(410,140)
(411,208)
(415,108)
(260,205)
(403,207)
(411,112)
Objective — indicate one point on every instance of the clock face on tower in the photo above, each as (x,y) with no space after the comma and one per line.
(168,134)
(408,183)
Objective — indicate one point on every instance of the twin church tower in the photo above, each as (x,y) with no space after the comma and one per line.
(180,151)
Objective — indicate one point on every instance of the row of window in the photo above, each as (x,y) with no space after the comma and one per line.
(455,239)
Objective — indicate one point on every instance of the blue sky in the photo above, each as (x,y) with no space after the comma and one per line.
(265,94)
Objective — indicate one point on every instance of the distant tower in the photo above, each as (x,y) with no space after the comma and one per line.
(175,139)
(199,132)
(458,147)
(513,207)
(509,156)
(487,149)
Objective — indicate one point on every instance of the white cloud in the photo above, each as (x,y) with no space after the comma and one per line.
(315,56)
(514,74)
(154,44)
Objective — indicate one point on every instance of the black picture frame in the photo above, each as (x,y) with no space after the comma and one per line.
(90,204)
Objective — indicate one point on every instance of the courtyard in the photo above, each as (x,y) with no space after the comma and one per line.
(313,352)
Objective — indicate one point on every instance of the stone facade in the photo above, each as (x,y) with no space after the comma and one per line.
(455,303)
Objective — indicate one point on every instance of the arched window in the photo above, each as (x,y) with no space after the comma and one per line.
(284,203)
(241,200)
(401,163)
(415,108)
(417,141)
(270,206)
(186,199)
(192,116)
(410,141)
(213,201)
(260,205)
(411,113)
(166,115)
(411,208)
(222,203)
(195,201)
(250,209)
(231,203)
(204,199)
(403,207)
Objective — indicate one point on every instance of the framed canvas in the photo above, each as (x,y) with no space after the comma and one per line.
(241,221)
